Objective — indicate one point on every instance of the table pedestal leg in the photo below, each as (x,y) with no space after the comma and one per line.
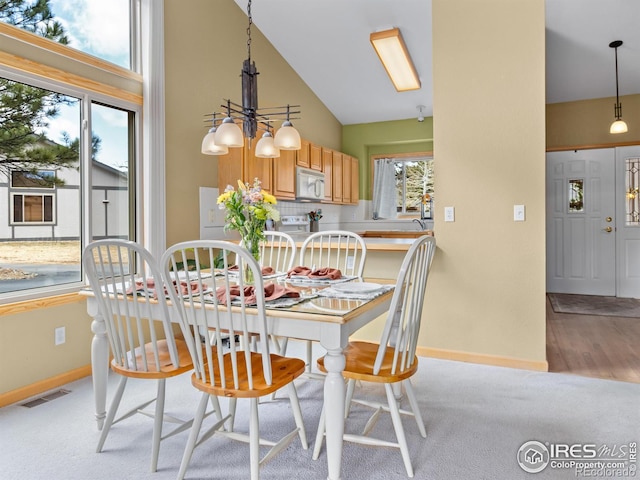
(334,392)
(99,366)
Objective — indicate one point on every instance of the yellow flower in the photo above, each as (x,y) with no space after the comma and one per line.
(268,197)
(224,197)
(241,185)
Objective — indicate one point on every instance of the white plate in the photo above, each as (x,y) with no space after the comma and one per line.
(357,287)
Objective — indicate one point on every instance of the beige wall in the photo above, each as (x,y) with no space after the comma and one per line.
(487,290)
(586,123)
(204,55)
(27,350)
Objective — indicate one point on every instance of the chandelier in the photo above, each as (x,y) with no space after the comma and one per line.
(227,133)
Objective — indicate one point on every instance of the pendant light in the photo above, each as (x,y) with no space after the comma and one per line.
(229,133)
(287,137)
(209,146)
(265,148)
(619,125)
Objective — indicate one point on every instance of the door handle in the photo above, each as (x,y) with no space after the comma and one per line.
(608,229)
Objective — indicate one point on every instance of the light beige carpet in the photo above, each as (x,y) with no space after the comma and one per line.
(595,305)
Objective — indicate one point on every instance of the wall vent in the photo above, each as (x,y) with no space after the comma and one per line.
(46,398)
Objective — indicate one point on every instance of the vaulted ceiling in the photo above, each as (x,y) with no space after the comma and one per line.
(327,43)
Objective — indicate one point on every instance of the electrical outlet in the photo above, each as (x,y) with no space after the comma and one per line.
(518,213)
(60,335)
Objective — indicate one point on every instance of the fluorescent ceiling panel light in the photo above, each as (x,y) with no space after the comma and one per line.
(395,57)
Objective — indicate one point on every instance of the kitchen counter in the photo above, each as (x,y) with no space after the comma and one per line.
(373,243)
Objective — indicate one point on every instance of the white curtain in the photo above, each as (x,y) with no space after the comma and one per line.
(384,189)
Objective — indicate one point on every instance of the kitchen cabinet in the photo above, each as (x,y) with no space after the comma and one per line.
(346,178)
(303,159)
(310,156)
(327,168)
(257,167)
(355,181)
(315,157)
(231,168)
(336,174)
(242,164)
(350,177)
(284,175)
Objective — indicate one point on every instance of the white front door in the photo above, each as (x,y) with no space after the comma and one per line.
(628,221)
(581,223)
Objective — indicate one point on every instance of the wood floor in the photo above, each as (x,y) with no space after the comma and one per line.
(594,346)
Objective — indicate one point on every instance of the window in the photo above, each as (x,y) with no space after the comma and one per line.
(101,29)
(68,157)
(36,179)
(403,187)
(32,209)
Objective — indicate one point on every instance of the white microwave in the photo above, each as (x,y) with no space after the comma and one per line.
(309,185)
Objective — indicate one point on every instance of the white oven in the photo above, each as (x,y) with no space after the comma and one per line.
(309,185)
(293,224)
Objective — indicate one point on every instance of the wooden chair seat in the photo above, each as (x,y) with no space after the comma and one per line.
(360,360)
(285,370)
(166,367)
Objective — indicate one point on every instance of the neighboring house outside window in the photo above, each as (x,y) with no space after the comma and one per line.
(28,204)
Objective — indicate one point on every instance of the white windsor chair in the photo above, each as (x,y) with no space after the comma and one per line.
(115,269)
(393,361)
(229,371)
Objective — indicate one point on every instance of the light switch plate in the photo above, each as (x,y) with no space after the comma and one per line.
(518,213)
(449,214)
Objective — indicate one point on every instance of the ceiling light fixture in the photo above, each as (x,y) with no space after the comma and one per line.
(395,57)
(619,125)
(229,134)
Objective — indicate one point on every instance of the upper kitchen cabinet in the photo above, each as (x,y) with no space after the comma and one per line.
(327,168)
(310,156)
(303,154)
(242,164)
(231,168)
(284,175)
(350,185)
(315,157)
(336,177)
(355,181)
(258,167)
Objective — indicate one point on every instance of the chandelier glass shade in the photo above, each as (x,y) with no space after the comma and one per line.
(209,146)
(265,147)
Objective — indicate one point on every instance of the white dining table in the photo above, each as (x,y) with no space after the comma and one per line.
(330,321)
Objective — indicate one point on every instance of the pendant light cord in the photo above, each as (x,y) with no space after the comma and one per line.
(249,31)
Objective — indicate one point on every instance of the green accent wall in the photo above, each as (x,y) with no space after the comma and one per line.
(399,136)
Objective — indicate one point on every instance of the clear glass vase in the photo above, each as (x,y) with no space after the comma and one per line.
(253,246)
